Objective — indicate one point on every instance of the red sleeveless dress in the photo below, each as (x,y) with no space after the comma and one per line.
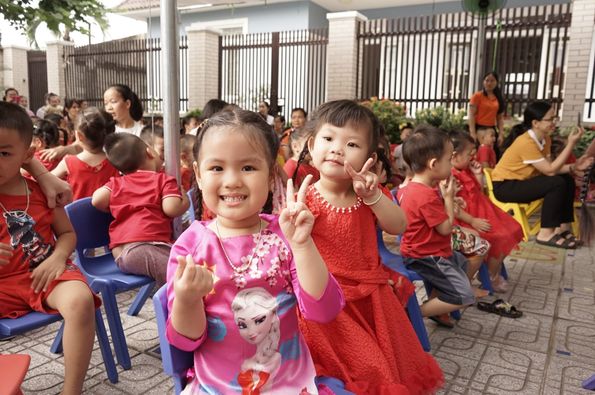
(371,345)
(85,179)
(506,233)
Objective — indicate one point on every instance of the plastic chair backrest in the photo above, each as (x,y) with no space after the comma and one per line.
(91,225)
(175,361)
(487,172)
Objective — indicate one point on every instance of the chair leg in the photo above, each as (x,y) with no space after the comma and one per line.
(484,277)
(417,322)
(140,299)
(115,324)
(104,346)
(56,347)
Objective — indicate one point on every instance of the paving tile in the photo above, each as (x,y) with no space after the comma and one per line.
(575,338)
(577,307)
(565,375)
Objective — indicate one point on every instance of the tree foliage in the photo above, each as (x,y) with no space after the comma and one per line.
(73,15)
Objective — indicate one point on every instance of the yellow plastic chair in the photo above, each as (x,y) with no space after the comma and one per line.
(520,211)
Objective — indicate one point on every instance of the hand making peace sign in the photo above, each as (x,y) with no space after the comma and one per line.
(296,220)
(365,182)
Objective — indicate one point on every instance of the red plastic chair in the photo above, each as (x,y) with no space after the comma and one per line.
(13,369)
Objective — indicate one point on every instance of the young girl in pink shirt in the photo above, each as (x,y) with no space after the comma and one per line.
(235,283)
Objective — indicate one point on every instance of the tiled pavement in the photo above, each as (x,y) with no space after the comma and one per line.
(550,350)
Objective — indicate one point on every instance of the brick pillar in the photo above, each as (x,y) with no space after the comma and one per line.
(341,55)
(578,60)
(203,65)
(16,74)
(56,67)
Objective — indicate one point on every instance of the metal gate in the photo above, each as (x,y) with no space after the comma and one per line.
(38,78)
(286,68)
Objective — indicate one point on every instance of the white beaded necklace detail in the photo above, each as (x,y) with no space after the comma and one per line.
(239,271)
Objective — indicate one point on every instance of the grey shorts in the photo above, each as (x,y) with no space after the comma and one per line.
(447,275)
(147,259)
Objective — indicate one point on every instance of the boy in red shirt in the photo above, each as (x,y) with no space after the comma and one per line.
(426,243)
(485,153)
(35,271)
(143,203)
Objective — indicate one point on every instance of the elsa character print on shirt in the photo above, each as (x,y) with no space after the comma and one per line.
(255,314)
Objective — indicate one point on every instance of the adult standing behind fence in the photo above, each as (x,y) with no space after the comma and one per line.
(486,109)
(526,173)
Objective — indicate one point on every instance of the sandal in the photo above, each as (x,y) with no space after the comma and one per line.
(500,307)
(569,236)
(442,320)
(567,244)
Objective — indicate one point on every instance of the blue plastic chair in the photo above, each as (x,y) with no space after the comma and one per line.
(395,262)
(175,361)
(486,281)
(33,320)
(104,276)
(190,212)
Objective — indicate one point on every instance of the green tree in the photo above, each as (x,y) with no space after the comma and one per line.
(73,15)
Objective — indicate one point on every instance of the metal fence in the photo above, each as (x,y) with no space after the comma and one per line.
(134,62)
(430,61)
(589,111)
(288,69)
(38,76)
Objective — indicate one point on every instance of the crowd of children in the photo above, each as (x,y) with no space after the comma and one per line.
(286,263)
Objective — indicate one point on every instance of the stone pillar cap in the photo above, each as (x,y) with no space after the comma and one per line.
(346,15)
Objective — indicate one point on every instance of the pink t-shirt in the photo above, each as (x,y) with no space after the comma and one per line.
(425,210)
(135,203)
(252,338)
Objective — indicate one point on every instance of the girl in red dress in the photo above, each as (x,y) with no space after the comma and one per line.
(371,345)
(501,230)
(90,169)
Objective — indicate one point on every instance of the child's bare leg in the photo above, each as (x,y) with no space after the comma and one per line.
(472,268)
(435,306)
(74,301)
(494,266)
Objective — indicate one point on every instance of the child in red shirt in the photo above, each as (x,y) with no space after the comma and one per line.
(426,243)
(298,166)
(89,170)
(35,271)
(143,203)
(485,153)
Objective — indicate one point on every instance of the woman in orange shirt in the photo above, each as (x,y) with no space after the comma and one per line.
(486,109)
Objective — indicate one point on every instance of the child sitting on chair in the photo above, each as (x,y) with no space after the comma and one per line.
(143,203)
(35,245)
(426,243)
(486,155)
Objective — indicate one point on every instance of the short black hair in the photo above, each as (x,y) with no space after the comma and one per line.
(460,140)
(425,143)
(95,125)
(47,132)
(149,132)
(125,151)
(14,117)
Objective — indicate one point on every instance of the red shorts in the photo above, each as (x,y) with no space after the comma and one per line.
(17,298)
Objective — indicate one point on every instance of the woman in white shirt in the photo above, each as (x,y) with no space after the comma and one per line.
(125,107)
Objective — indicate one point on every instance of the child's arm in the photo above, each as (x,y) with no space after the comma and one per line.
(173,206)
(60,152)
(191,283)
(296,222)
(51,268)
(100,199)
(60,171)
(448,192)
(365,183)
(56,191)
(480,224)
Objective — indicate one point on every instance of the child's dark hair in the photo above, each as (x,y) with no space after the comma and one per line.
(95,125)
(47,133)
(460,140)
(534,111)
(136,107)
(14,117)
(425,143)
(212,107)
(251,125)
(6,93)
(383,153)
(149,132)
(125,151)
(497,92)
(281,118)
(54,118)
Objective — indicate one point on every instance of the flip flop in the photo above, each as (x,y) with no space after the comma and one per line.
(500,307)
(553,242)
(442,320)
